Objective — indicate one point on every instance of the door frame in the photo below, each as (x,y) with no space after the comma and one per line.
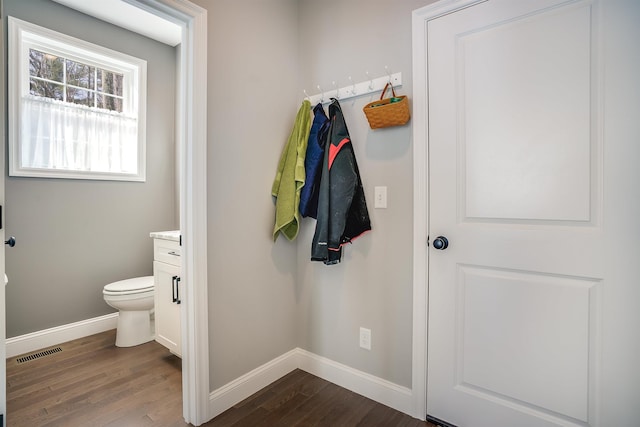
(191,136)
(420,19)
(3,301)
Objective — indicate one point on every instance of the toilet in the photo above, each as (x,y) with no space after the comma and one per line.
(134,300)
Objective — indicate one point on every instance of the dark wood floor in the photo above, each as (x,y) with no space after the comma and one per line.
(93,383)
(301,399)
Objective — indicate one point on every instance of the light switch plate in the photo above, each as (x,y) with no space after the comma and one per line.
(380,197)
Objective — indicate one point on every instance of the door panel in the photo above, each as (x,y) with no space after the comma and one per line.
(536,336)
(515,184)
(524,93)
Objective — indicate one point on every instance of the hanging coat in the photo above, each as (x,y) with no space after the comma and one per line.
(313,163)
(342,209)
(290,176)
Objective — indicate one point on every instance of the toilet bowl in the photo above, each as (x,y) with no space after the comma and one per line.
(134,300)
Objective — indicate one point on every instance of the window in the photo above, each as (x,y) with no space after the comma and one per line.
(77,110)
(55,77)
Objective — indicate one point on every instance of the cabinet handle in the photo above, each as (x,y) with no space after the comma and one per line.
(174,288)
(174,253)
(178,301)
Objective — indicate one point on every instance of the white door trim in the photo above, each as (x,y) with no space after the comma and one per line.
(3,301)
(191,133)
(421,194)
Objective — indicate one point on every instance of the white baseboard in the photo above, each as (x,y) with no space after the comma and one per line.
(60,334)
(239,389)
(375,388)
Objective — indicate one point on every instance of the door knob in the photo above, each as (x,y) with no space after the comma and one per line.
(11,242)
(441,243)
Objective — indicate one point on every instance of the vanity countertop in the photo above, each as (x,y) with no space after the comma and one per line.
(166,235)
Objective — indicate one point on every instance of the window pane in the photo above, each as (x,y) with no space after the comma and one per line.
(109,102)
(45,65)
(46,89)
(79,74)
(80,96)
(109,82)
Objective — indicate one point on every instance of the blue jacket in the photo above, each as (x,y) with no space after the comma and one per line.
(313,163)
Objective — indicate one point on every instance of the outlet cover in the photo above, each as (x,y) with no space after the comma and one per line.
(365,338)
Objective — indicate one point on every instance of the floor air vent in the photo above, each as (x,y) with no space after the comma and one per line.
(38,355)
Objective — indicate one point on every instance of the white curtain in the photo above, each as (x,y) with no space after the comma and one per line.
(63,136)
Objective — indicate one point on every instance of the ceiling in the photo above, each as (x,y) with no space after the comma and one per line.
(125,15)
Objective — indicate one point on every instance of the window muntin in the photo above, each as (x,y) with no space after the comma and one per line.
(66,80)
(77,109)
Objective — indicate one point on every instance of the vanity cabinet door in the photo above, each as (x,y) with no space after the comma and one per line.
(168,293)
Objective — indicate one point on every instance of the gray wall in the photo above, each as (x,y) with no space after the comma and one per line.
(253,98)
(75,236)
(266,298)
(373,286)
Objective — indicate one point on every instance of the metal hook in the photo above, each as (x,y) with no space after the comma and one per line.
(353,86)
(321,94)
(386,69)
(370,80)
(306,95)
(337,90)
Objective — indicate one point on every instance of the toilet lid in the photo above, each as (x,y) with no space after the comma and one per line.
(137,284)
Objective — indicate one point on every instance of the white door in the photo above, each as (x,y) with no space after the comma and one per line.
(533,179)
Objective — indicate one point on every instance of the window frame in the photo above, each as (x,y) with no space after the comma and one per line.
(24,36)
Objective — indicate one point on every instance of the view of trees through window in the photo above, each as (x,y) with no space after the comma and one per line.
(63,79)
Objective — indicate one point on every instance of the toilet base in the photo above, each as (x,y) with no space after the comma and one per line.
(134,328)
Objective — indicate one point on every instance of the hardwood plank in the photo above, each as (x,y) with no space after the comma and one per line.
(351,411)
(278,413)
(301,384)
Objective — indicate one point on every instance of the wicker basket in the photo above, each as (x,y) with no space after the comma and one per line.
(387,112)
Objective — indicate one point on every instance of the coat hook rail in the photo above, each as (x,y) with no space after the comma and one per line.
(357,89)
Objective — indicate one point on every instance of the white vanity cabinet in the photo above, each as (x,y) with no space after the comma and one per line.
(168,290)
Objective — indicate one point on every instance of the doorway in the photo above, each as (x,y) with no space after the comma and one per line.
(191,125)
(191,136)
